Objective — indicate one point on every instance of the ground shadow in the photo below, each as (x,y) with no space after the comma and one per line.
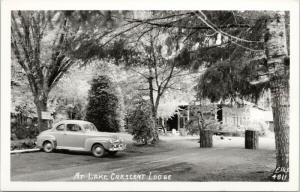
(87,153)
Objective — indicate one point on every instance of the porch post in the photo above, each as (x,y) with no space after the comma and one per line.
(178,121)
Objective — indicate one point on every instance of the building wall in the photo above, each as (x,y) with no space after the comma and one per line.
(245,117)
(234,118)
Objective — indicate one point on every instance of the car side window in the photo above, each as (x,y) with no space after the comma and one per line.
(73,127)
(60,127)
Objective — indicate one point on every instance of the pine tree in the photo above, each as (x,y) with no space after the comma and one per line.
(103,105)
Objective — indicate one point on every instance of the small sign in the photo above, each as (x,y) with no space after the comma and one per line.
(280,174)
(46,115)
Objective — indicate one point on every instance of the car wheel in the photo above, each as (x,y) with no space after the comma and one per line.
(112,153)
(48,147)
(98,150)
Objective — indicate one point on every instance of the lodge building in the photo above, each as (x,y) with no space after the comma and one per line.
(231,117)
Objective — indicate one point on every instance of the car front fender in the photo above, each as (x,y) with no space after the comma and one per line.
(41,139)
(91,141)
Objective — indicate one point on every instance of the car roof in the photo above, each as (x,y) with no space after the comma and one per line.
(72,121)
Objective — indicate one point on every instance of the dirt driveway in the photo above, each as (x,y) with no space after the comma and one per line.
(174,159)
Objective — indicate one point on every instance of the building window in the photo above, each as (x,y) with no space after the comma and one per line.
(219,113)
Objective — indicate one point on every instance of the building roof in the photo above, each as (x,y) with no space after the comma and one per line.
(230,103)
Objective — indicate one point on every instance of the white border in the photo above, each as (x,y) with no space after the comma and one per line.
(7,5)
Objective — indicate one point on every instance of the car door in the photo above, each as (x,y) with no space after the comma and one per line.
(59,133)
(74,136)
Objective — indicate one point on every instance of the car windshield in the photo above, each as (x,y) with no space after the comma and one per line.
(89,127)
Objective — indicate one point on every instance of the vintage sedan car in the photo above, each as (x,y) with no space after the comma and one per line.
(79,135)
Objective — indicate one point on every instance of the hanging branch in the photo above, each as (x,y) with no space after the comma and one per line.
(168,25)
(218,30)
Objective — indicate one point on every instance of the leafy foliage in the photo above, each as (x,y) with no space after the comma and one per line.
(202,118)
(103,104)
(139,122)
(21,100)
(68,99)
(230,80)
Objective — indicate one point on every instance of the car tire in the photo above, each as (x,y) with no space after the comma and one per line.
(112,153)
(48,147)
(98,150)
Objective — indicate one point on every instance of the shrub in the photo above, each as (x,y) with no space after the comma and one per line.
(102,109)
(22,131)
(192,127)
(23,144)
(259,126)
(140,122)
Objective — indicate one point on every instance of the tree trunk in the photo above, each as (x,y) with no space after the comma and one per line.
(155,136)
(276,52)
(155,128)
(154,131)
(41,105)
(251,139)
(154,112)
(206,138)
(280,107)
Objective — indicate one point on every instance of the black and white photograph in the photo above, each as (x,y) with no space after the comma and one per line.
(116,96)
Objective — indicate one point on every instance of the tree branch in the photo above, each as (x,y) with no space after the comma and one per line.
(168,25)
(17,53)
(119,34)
(167,79)
(20,39)
(67,65)
(169,87)
(139,73)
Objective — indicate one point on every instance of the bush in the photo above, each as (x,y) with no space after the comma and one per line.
(23,131)
(259,126)
(140,122)
(23,144)
(192,127)
(102,109)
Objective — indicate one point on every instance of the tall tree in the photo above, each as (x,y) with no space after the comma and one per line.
(271,71)
(278,73)
(41,42)
(157,63)
(103,105)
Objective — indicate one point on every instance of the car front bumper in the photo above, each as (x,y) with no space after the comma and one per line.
(117,147)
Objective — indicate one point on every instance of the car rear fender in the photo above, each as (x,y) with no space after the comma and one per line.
(91,141)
